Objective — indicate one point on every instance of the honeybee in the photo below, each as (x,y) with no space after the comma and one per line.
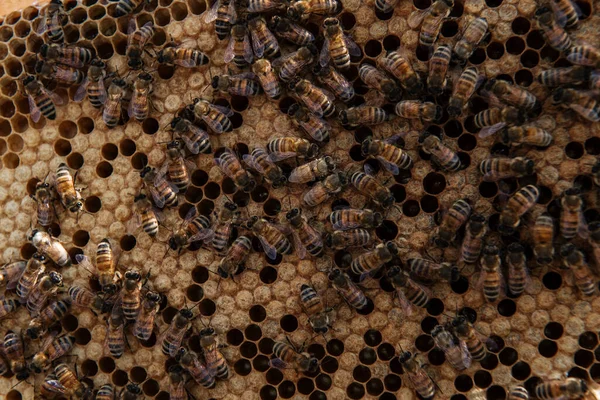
(554,34)
(473,241)
(312,305)
(46,287)
(129,300)
(378,80)
(268,78)
(316,128)
(493,119)
(313,97)
(452,221)
(313,170)
(163,193)
(408,291)
(432,19)
(215,362)
(575,261)
(513,95)
(401,68)
(371,187)
(325,189)
(420,379)
(177,390)
(521,202)
(428,271)
(543,239)
(136,41)
(363,115)
(271,238)
(491,275)
(93,85)
(193,228)
(471,37)
(352,218)
(239,85)
(231,166)
(52,349)
(12,347)
(287,356)
(348,238)
(347,289)
(26,282)
(51,313)
(41,101)
(239,49)
(441,154)
(334,81)
(581,103)
(224,15)
(64,184)
(228,218)
(286,147)
(196,140)
(130,392)
(413,109)
(70,383)
(438,68)
(495,169)
(112,106)
(290,31)
(61,74)
(291,64)
(73,56)
(574,75)
(264,42)
(466,333)
(170,340)
(125,7)
(51,248)
(215,117)
(106,265)
(233,261)
(182,56)
(518,393)
(106,392)
(263,163)
(8,306)
(114,343)
(337,46)
(517,268)
(569,388)
(455,350)
(53,20)
(11,272)
(465,87)
(261,6)
(144,324)
(139,106)
(595,244)
(369,262)
(584,54)
(145,215)
(303,9)
(190,362)
(385,6)
(82,297)
(571,218)
(306,238)
(177,167)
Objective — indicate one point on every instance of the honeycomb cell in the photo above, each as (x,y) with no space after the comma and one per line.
(520,371)
(268,392)
(6,33)
(588,340)
(552,280)
(574,150)
(82,336)
(367,356)
(495,50)
(242,367)
(515,45)
(17,47)
(197,7)
(535,40)
(107,27)
(194,293)
(372,48)
(463,383)
(151,387)
(235,337)
(554,330)
(3,53)
(96,12)
(13,395)
(530,58)
(411,208)
(15,143)
(548,348)
(207,307)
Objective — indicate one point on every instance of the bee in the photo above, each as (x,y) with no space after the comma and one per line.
(163,193)
(106,265)
(352,218)
(452,221)
(348,290)
(339,240)
(239,49)
(196,140)
(513,96)
(51,248)
(379,81)
(64,184)
(290,31)
(579,102)
(8,306)
(130,296)
(543,239)
(144,324)
(106,392)
(466,333)
(93,85)
(177,390)
(4,368)
(71,383)
(12,347)
(401,68)
(139,106)
(571,218)
(335,82)
(264,42)
(575,261)
(215,362)
(114,344)
(182,56)
(456,351)
(193,228)
(552,31)
(82,297)
(170,340)
(385,6)
(438,68)
(28,279)
(112,106)
(46,287)
(53,20)
(325,189)
(491,275)
(231,166)
(51,313)
(495,169)
(595,243)
(471,37)
(306,238)
(493,119)
(73,56)
(267,77)
(517,268)
(415,109)
(291,64)
(198,371)
(41,101)
(215,117)
(313,97)
(224,15)
(228,218)
(431,21)
(62,74)
(584,54)
(233,261)
(262,162)
(286,147)
(338,47)
(125,7)
(440,154)
(145,215)
(261,6)
(313,170)
(575,75)
(312,305)
(316,128)
(10,273)
(287,356)
(467,84)
(420,379)
(473,241)
(369,262)
(521,202)
(408,291)
(136,42)
(53,349)
(371,187)
(518,393)
(271,238)
(363,115)
(303,9)
(177,167)
(428,271)
(569,388)
(51,387)
(130,392)
(239,85)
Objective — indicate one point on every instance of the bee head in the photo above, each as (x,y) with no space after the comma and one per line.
(393,271)
(343,117)
(76,207)
(175,121)
(174,144)
(145,171)
(319,70)
(312,49)
(44,50)
(330,22)
(293,12)
(392,247)
(120,82)
(230,206)
(56,278)
(135,63)
(313,151)
(365,147)
(529,166)
(404,356)
(109,289)
(573,192)
(39,257)
(133,388)
(330,163)
(187,313)
(293,109)
(334,274)
(222,273)
(180,353)
(22,375)
(160,57)
(173,243)
(567,249)
(249,185)
(515,248)
(328,239)
(295,212)
(97,63)
(207,332)
(28,79)
(544,14)
(313,363)
(145,77)
(437,330)
(251,222)
(39,66)
(279,182)
(133,275)
(215,82)
(153,296)
(294,83)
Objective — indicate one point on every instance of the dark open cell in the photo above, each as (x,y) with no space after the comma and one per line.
(467,142)
(435,307)
(520,371)
(535,40)
(375,387)
(235,337)
(107,365)
(329,364)
(275,261)
(207,307)
(488,189)
(530,58)
(268,392)
(286,389)
(577,372)
(361,373)
(584,182)
(367,356)
(458,397)
(411,208)
(398,192)
(386,352)
(323,381)
(119,377)
(403,177)
(507,307)
(520,25)
(150,387)
(257,313)
(465,159)
(260,363)
(436,357)
(495,50)
(460,286)
(272,207)
(463,383)
(391,43)
(545,195)
(453,129)
(478,56)
(248,349)
(429,204)
(81,238)
(317,395)
(552,280)
(372,337)
(356,154)
(104,169)
(259,194)
(137,374)
(355,391)
(206,207)
(194,293)
(532,383)
(362,133)
(482,379)
(89,368)
(289,323)
(588,340)
(342,258)
(383,16)
(595,372)
(515,45)
(388,230)
(335,347)
(584,358)
(434,183)
(524,78)
(139,161)
(70,322)
(396,366)
(508,356)
(496,393)
(423,53)
(392,382)
(449,28)
(212,190)
(305,385)
(490,362)
(495,343)
(372,48)
(241,199)
(574,150)
(547,348)
(592,146)
(268,275)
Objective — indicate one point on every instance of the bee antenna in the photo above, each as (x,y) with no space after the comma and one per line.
(166,252)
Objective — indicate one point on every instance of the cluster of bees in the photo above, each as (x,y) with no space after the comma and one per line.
(270,50)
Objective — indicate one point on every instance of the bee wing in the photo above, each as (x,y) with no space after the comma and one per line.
(33,110)
(313,106)
(43,26)
(48,340)
(110,107)
(369,170)
(324,56)
(393,140)
(130,30)
(54,386)
(193,145)
(159,201)
(279,61)
(189,164)
(270,251)
(232,14)
(582,229)
(248,56)
(134,99)
(81,91)
(249,160)
(416,17)
(229,51)
(190,215)
(132,225)
(490,130)
(223,110)
(276,157)
(404,303)
(204,234)
(278,363)
(84,262)
(353,48)
(295,176)
(56,99)
(300,248)
(212,14)
(393,168)
(257,44)
(466,356)
(245,75)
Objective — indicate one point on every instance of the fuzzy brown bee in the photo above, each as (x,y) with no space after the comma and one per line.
(339,239)
(313,97)
(572,222)
(582,103)
(466,333)
(552,31)
(471,37)
(238,85)
(495,169)
(493,119)
(193,228)
(290,31)
(438,68)
(264,42)
(441,154)
(456,351)
(61,74)
(163,193)
(53,20)
(465,87)
(71,384)
(363,115)
(543,239)
(51,313)
(215,361)
(521,202)
(7,307)
(144,323)
(491,279)
(420,379)
(530,135)
(146,216)
(224,14)
(291,64)
(271,238)
(325,189)
(570,388)
(106,265)
(473,241)
(431,21)
(392,157)
(129,300)
(263,163)
(234,260)
(261,6)
(196,140)
(452,221)
(575,261)
(348,290)
(137,39)
(584,54)
(286,147)
(239,49)
(41,101)
(513,95)
(263,70)
(30,275)
(306,238)
(415,109)
(567,76)
(51,248)
(312,305)
(178,168)
(228,218)
(111,115)
(368,263)
(315,127)
(287,356)
(53,349)
(335,82)
(13,350)
(73,56)
(44,199)
(182,56)
(401,68)
(170,340)
(197,370)
(518,393)
(125,7)
(373,189)
(379,81)
(231,166)
(93,85)
(140,104)
(428,271)
(303,9)
(408,291)
(351,218)
(215,117)
(517,268)
(313,170)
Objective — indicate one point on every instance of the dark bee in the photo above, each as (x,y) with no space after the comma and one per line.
(61,74)
(521,202)
(82,297)
(572,221)
(337,46)
(177,390)
(163,193)
(41,101)
(420,379)
(408,291)
(312,305)
(575,261)
(52,350)
(455,350)
(136,41)
(263,163)
(554,34)
(193,228)
(287,356)
(428,271)
(271,238)
(215,361)
(493,119)
(584,54)
(267,77)
(198,371)
(264,42)
(348,238)
(11,272)
(227,219)
(517,268)
(543,239)
(215,117)
(513,95)
(530,135)
(582,103)
(46,287)
(518,393)
(306,238)
(471,37)
(495,169)
(325,189)
(93,85)
(415,109)
(363,115)
(568,388)
(238,85)
(303,9)
(348,290)
(144,324)
(233,261)
(401,68)
(130,296)
(336,82)
(130,392)
(313,170)
(452,221)
(51,313)
(170,340)
(313,97)
(432,19)
(182,56)
(13,348)
(146,216)
(286,147)
(73,56)
(351,218)
(106,266)
(466,333)
(44,199)
(290,31)
(51,248)
(566,12)
(53,20)
(490,278)
(224,15)
(125,7)
(196,140)
(231,166)
(262,6)
(114,343)
(440,153)
(566,76)
(465,87)
(7,307)
(112,106)
(139,106)
(68,379)
(239,49)
(379,81)
(438,68)
(369,263)
(316,128)
(595,244)
(29,277)
(291,64)
(372,188)
(473,241)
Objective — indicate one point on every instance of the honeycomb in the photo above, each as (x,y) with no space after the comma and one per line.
(549,330)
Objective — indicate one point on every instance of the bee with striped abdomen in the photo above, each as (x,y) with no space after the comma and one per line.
(438,68)
(530,135)
(183,55)
(543,239)
(262,162)
(51,248)
(337,46)
(130,297)
(139,106)
(420,379)
(144,323)
(287,356)
(441,155)
(431,20)
(11,272)
(114,343)
(238,85)
(325,189)
(566,12)
(555,35)
(93,85)
(513,95)
(68,194)
(582,103)
(372,188)
(215,117)
(493,119)
(7,307)
(106,392)
(106,266)
(415,109)
(352,218)
(163,193)
(263,70)
(234,260)
(348,290)
(196,140)
(379,81)
(224,15)
(408,291)
(518,393)
(215,361)
(262,6)
(146,215)
(68,379)
(569,388)
(304,9)
(227,219)
(471,37)
(452,221)
(44,199)
(584,54)
(111,115)
(41,101)
(73,56)
(455,350)
(137,39)
(401,68)
(230,165)
(473,241)
(465,87)
(264,42)
(490,278)
(83,297)
(198,371)
(363,115)
(495,169)
(428,271)
(239,49)
(566,76)
(170,340)
(52,21)
(465,332)
(271,238)
(517,268)
(315,127)
(385,6)
(306,238)
(13,350)
(293,63)
(177,390)
(287,147)
(313,97)
(572,222)
(335,82)
(340,240)
(125,7)
(61,74)
(521,202)
(575,261)
(290,31)
(50,314)
(28,279)
(368,263)
(312,305)
(177,167)
(52,349)
(193,228)
(313,170)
